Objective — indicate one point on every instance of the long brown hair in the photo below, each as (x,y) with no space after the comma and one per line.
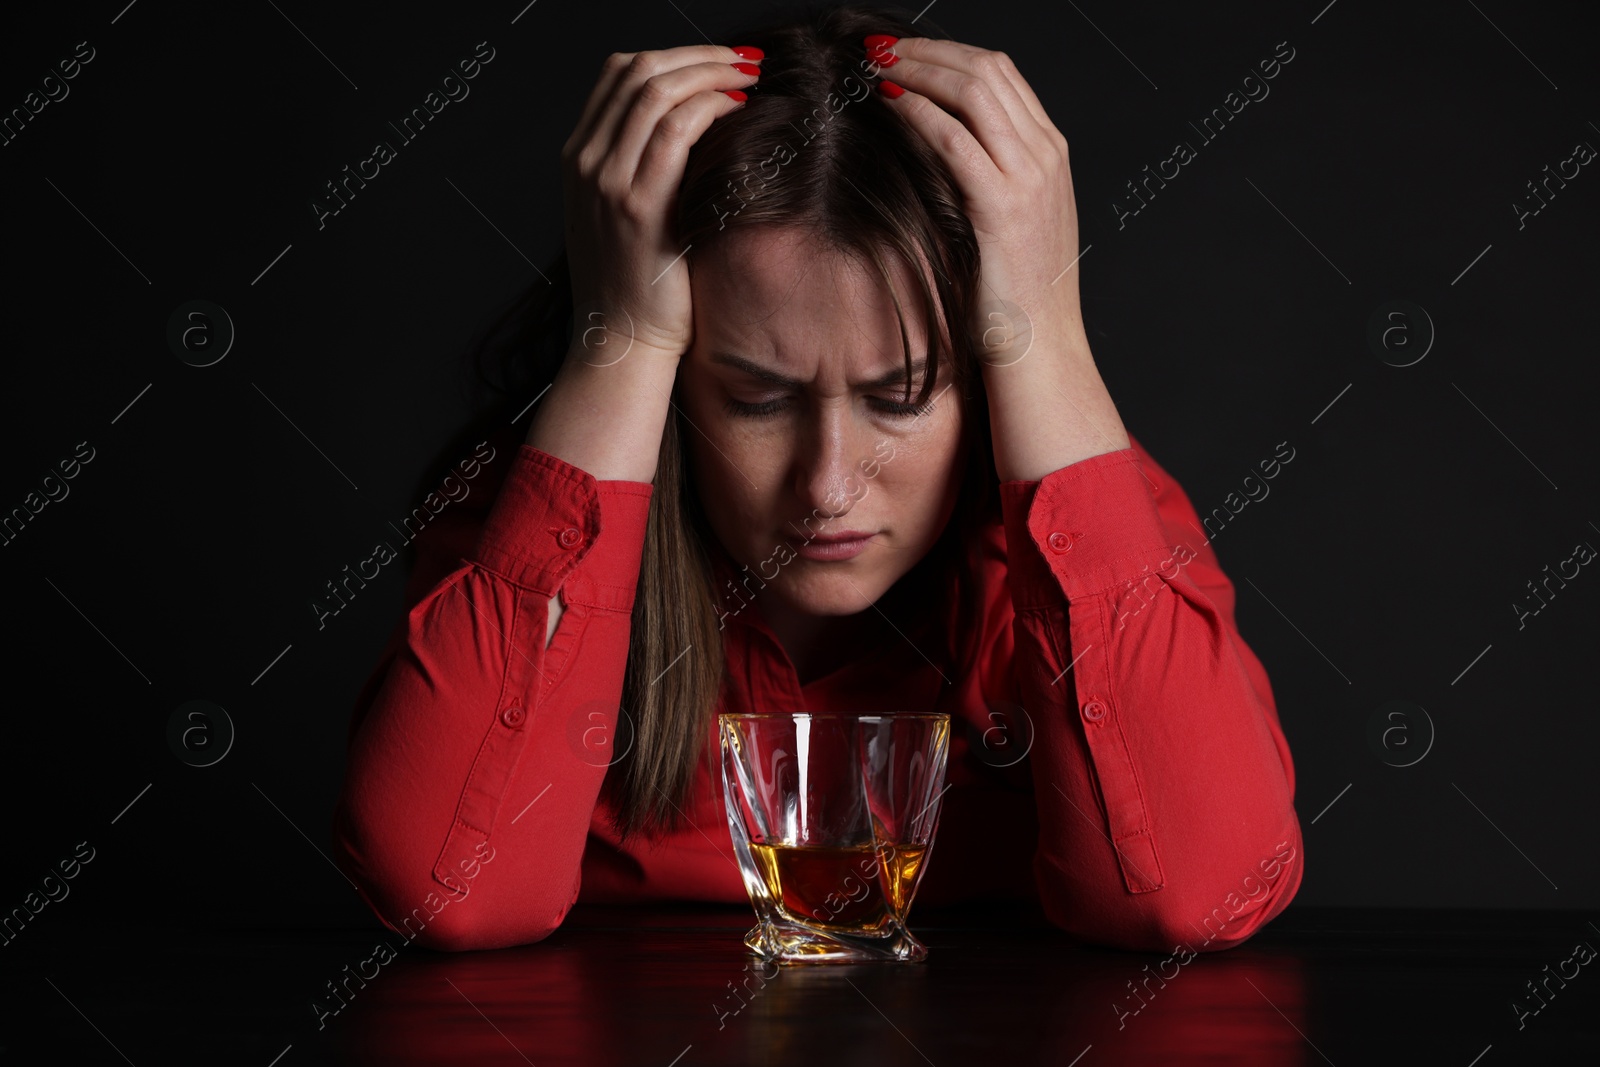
(815,148)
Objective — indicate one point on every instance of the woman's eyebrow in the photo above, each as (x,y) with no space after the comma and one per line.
(755,370)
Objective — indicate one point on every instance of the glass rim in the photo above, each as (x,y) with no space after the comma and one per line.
(832,715)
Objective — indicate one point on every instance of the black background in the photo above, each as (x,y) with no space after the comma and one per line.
(1384,562)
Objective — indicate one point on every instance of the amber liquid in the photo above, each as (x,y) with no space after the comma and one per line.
(858,888)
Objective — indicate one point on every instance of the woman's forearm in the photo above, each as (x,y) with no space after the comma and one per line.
(605,414)
(1049,408)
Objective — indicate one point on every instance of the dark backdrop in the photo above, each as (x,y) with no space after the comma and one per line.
(1231,313)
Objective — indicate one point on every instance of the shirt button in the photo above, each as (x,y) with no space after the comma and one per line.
(513,717)
(570,537)
(1059,542)
(1094,711)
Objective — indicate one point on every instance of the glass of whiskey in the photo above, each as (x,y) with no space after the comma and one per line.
(833,818)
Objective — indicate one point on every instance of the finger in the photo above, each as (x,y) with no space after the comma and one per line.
(664,71)
(662,94)
(611,72)
(1024,91)
(997,70)
(963,79)
(972,165)
(665,154)
(959,113)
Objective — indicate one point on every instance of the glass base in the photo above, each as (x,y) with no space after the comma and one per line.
(781,941)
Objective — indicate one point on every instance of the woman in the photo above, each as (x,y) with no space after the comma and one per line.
(822,431)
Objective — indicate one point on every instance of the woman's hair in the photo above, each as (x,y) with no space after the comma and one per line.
(814,148)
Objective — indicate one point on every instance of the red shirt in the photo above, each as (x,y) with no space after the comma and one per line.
(1154,808)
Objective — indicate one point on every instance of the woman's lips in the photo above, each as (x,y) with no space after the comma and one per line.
(843,546)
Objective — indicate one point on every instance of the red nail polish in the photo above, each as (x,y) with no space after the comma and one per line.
(889,89)
(748,51)
(736,94)
(747,68)
(878,45)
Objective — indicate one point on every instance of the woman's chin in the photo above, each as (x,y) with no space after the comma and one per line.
(827,589)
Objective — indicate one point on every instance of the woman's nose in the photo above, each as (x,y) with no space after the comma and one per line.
(829,479)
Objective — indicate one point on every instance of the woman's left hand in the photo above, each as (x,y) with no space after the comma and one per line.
(1010,162)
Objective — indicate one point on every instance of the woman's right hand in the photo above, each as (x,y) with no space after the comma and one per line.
(621,169)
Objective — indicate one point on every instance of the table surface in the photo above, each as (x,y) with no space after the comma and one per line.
(674,986)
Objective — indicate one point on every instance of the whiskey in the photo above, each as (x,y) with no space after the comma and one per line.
(902,866)
(858,888)
(827,884)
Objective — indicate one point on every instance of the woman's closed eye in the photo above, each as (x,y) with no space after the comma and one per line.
(766,408)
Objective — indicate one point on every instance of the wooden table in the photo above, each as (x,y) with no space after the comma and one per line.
(673,986)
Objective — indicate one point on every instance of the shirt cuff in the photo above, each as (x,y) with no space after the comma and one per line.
(1081,530)
(554,524)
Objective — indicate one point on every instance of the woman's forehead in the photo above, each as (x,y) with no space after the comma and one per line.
(775,294)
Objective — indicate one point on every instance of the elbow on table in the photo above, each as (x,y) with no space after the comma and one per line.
(405,897)
(463,929)
(1200,917)
(478,921)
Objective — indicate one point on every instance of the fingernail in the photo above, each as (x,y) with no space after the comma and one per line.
(748,51)
(889,89)
(737,95)
(878,45)
(747,68)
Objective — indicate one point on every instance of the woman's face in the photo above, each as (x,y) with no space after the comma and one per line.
(801,434)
